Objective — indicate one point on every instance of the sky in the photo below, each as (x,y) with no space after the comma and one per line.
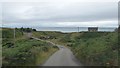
(59,14)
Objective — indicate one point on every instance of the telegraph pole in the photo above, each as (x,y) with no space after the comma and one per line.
(78,29)
(14,35)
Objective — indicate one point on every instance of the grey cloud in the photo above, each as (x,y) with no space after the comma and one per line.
(52,13)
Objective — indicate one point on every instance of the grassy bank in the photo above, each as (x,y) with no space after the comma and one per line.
(91,48)
(94,48)
(41,59)
(56,37)
(23,51)
(97,48)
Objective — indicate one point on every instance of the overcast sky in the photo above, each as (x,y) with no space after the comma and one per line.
(59,14)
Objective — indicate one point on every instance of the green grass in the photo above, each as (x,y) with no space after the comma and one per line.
(23,51)
(45,55)
(92,48)
(52,34)
(97,49)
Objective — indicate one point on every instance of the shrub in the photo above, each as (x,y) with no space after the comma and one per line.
(45,49)
(9,45)
(97,48)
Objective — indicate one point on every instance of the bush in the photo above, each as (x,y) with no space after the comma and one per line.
(97,49)
(55,47)
(9,45)
(45,49)
(24,52)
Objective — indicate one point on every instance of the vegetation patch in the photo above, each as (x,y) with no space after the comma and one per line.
(23,51)
(97,49)
(92,48)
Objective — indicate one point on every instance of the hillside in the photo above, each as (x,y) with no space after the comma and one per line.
(23,50)
(94,48)
(91,48)
(97,49)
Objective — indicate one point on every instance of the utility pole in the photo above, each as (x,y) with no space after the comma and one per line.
(78,29)
(14,35)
